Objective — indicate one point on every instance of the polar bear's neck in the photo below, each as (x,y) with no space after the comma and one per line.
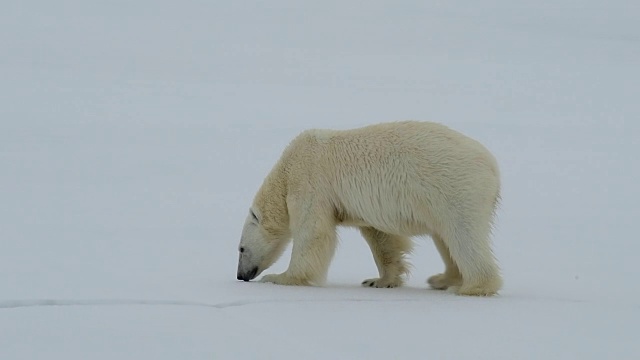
(272,201)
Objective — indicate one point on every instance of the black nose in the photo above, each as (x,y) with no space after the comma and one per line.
(248,276)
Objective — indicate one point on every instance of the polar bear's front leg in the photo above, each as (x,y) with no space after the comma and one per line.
(311,255)
(388,253)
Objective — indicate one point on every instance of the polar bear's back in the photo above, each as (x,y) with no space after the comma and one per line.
(396,174)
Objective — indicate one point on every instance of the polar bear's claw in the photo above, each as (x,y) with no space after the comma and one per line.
(381,283)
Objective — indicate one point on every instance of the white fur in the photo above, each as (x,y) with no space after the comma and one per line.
(393,181)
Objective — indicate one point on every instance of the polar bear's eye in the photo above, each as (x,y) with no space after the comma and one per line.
(254,216)
(242,249)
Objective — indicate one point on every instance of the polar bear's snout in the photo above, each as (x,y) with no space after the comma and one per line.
(246,276)
(247,270)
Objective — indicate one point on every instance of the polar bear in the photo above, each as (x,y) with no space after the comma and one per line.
(393,181)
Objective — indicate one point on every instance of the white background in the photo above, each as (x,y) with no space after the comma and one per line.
(134,134)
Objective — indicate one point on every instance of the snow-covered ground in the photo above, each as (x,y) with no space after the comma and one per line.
(133,136)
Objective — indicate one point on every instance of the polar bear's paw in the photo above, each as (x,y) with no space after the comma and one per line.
(382,283)
(473,291)
(284,279)
(486,287)
(443,282)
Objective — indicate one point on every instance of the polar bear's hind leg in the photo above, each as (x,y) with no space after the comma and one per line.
(451,276)
(471,251)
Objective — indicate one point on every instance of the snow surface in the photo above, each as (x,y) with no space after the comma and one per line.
(133,136)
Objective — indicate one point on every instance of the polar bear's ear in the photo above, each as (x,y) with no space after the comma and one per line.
(254,216)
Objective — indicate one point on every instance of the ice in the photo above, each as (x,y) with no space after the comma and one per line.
(133,136)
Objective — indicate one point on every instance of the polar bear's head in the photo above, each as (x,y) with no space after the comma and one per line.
(259,248)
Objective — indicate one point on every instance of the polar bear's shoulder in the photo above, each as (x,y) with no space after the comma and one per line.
(317,135)
(311,138)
